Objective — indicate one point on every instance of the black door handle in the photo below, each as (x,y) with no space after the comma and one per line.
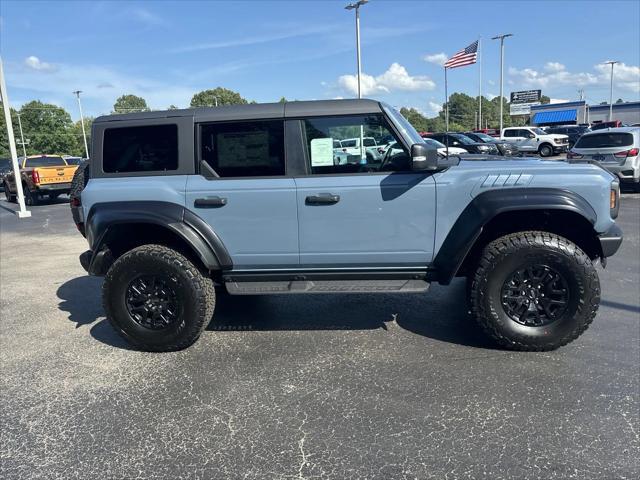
(323,199)
(210,202)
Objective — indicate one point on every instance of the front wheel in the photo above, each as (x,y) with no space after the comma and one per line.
(157,299)
(534,291)
(545,150)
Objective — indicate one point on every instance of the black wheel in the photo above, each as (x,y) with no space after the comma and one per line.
(534,291)
(80,179)
(545,150)
(30,198)
(8,195)
(157,299)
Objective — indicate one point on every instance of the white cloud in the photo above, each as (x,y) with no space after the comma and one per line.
(624,76)
(558,100)
(100,86)
(554,67)
(35,63)
(395,78)
(434,108)
(436,58)
(490,96)
(147,17)
(554,74)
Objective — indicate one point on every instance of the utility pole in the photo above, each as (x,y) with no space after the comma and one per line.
(24,150)
(612,63)
(22,212)
(84,134)
(501,37)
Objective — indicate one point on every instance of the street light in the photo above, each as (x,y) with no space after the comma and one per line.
(501,37)
(84,134)
(612,63)
(356,6)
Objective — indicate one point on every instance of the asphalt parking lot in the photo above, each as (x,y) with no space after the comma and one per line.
(335,387)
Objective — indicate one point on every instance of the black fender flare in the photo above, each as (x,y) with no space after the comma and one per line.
(188,226)
(487,205)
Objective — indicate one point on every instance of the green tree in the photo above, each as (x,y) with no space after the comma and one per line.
(544,99)
(217,96)
(78,150)
(415,118)
(130,103)
(172,107)
(283,100)
(48,128)
(619,100)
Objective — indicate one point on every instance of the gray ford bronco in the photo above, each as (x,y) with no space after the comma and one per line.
(183,206)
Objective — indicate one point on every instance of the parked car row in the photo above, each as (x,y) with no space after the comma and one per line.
(615,149)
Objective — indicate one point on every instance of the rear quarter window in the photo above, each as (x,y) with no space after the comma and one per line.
(606,140)
(140,149)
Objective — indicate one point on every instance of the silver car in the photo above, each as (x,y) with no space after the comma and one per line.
(615,149)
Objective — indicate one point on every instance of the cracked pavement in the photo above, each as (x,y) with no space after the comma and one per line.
(305,387)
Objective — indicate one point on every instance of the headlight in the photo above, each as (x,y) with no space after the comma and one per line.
(483,148)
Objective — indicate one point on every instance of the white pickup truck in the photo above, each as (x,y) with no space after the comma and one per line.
(534,139)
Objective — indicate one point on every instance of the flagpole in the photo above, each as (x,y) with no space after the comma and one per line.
(446,111)
(480,86)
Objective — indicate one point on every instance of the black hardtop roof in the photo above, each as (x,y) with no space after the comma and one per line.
(256,111)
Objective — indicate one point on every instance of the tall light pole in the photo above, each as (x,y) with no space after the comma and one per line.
(612,63)
(24,150)
(84,134)
(501,37)
(356,6)
(22,209)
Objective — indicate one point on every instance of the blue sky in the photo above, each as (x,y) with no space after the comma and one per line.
(166,51)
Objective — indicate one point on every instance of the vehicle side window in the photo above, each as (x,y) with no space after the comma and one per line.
(525,133)
(140,149)
(510,133)
(373,153)
(244,149)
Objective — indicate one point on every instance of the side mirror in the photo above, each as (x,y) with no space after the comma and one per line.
(423,158)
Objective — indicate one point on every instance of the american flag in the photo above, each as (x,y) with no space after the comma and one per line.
(464,57)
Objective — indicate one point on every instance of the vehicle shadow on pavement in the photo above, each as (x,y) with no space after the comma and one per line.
(81,299)
(440,314)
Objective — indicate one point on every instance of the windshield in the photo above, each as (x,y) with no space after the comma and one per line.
(485,137)
(433,143)
(538,131)
(44,161)
(462,139)
(605,140)
(406,129)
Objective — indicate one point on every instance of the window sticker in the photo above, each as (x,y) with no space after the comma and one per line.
(322,152)
(246,149)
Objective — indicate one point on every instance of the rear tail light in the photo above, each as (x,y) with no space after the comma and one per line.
(627,153)
(573,155)
(35,176)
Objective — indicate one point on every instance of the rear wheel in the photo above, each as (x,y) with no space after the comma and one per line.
(30,198)
(534,291)
(545,150)
(157,299)
(11,197)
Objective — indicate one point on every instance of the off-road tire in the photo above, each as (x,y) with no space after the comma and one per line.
(195,292)
(80,180)
(30,198)
(505,255)
(11,197)
(545,150)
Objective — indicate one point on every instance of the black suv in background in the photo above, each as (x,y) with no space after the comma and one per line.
(574,132)
(453,139)
(505,148)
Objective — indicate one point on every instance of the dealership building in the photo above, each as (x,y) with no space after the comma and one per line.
(574,113)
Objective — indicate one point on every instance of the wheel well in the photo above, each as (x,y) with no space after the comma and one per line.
(570,225)
(121,238)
